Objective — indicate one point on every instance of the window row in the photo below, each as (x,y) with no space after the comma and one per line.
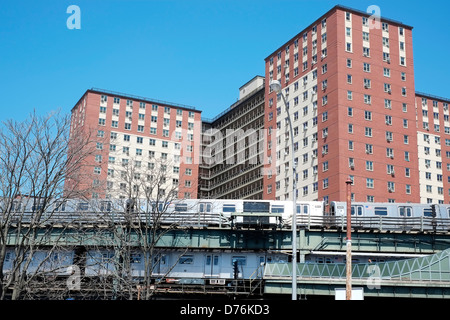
(143,105)
(154,119)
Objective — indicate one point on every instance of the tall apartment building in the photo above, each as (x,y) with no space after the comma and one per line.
(348,82)
(349,86)
(137,139)
(233,147)
(433,146)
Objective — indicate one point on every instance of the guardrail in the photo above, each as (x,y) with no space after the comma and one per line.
(380,223)
(202,219)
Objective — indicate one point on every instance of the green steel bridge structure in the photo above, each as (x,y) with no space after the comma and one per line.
(423,272)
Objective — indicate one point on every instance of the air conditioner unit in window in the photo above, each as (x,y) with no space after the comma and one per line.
(391,189)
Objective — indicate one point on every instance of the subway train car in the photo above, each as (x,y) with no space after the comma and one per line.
(393,216)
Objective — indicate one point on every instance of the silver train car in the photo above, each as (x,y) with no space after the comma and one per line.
(192,212)
(223,213)
(392,216)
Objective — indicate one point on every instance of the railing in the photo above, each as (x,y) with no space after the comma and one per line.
(380,223)
(90,217)
(431,268)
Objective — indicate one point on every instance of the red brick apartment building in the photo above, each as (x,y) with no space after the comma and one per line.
(350,91)
(136,136)
(349,84)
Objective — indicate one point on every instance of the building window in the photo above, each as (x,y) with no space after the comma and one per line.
(325,183)
(348,47)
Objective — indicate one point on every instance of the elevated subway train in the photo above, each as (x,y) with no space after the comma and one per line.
(192,212)
(393,216)
(203,264)
(223,213)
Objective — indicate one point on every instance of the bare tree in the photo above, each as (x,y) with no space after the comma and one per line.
(34,166)
(143,193)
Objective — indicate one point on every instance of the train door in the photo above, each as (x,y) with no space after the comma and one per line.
(405,213)
(212,265)
(204,209)
(160,262)
(356,212)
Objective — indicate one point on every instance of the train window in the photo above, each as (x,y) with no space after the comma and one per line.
(427,212)
(302,208)
(448,212)
(262,260)
(180,207)
(319,260)
(187,259)
(157,205)
(161,259)
(405,211)
(277,209)
(83,206)
(229,208)
(36,207)
(205,207)
(135,258)
(105,206)
(256,206)
(358,210)
(60,206)
(215,260)
(241,260)
(106,257)
(381,211)
(16,205)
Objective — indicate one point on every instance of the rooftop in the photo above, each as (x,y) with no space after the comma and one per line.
(341,7)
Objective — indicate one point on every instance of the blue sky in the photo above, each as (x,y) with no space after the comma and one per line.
(192,52)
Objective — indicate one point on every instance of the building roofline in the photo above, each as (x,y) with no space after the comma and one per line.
(232,107)
(422,94)
(138,98)
(338,6)
(257,76)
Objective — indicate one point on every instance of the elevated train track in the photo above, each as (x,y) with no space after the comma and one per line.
(258,234)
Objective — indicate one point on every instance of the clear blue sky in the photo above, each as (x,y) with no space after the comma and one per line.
(192,52)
